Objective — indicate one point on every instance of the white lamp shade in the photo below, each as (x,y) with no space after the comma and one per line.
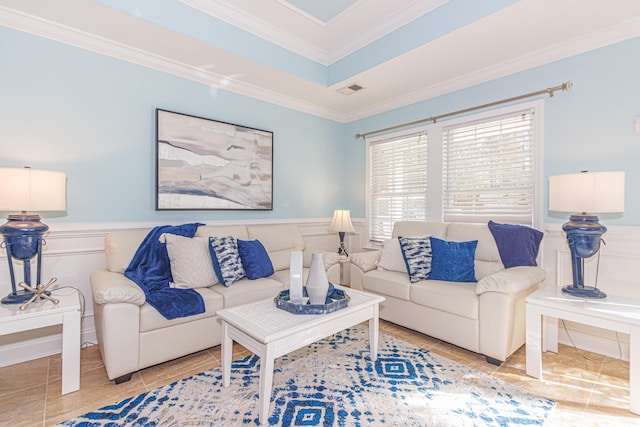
(588,192)
(341,222)
(32,190)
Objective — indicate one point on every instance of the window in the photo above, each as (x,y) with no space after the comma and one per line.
(397,183)
(473,169)
(489,170)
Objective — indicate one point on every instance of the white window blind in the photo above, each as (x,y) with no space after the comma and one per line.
(489,170)
(397,183)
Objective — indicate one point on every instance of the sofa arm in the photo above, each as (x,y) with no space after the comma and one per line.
(109,287)
(365,261)
(511,280)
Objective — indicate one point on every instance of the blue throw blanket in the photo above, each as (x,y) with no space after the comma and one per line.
(150,269)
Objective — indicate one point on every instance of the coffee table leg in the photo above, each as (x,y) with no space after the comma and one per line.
(227,350)
(373,334)
(266,382)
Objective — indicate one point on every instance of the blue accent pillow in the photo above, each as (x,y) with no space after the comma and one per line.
(226,259)
(453,261)
(255,259)
(416,252)
(518,245)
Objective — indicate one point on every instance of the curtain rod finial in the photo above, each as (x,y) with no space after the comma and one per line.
(567,85)
(357,136)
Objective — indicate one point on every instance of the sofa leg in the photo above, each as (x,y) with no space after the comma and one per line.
(493,361)
(123,379)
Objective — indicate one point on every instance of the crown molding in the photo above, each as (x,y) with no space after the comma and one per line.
(64,34)
(221,10)
(605,37)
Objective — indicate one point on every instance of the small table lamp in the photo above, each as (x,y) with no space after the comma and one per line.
(27,190)
(594,192)
(341,224)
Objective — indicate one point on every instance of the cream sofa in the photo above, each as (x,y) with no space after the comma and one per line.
(132,335)
(486,317)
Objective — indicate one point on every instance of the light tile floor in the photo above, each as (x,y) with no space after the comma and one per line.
(590,390)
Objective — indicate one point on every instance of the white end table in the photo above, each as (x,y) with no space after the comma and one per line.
(271,332)
(616,313)
(46,313)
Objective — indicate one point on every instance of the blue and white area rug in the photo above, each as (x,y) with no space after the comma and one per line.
(334,383)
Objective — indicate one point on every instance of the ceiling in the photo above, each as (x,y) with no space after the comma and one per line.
(515,36)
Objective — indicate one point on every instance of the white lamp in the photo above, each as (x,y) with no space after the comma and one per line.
(27,190)
(341,224)
(584,194)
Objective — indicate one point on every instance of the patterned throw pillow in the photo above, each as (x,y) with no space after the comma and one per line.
(191,265)
(453,261)
(417,256)
(226,259)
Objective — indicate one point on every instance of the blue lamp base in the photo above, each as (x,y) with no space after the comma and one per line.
(583,292)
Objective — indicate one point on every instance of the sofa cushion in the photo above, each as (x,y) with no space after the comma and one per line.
(518,245)
(226,259)
(487,250)
(151,319)
(416,252)
(420,228)
(237,231)
(453,261)
(120,246)
(391,258)
(255,259)
(245,290)
(190,259)
(279,240)
(388,283)
(451,297)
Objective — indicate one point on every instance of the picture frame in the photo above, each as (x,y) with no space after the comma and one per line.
(206,164)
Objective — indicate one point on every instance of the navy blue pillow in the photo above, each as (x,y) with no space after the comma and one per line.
(453,261)
(255,259)
(517,244)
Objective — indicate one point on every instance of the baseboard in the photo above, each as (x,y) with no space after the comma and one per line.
(616,346)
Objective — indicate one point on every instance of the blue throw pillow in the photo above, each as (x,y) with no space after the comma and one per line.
(226,259)
(255,259)
(416,252)
(453,261)
(518,245)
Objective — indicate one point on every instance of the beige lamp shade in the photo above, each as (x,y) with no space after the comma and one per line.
(32,190)
(341,222)
(587,192)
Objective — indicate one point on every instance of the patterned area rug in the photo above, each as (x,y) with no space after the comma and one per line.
(334,383)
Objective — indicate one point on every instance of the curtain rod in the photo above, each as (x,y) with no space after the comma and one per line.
(566,86)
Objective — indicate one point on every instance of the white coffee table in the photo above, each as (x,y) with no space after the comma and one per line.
(270,332)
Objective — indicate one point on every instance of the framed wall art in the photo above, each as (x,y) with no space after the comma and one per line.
(204,164)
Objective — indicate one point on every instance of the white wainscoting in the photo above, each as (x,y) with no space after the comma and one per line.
(73,251)
(617,272)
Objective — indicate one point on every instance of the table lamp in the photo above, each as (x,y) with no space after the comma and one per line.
(587,193)
(341,224)
(27,190)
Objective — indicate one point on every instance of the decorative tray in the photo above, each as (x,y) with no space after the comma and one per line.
(335,301)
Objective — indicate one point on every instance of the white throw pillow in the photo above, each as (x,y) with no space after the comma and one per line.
(191,265)
(391,258)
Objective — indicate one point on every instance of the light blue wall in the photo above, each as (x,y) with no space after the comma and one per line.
(93,117)
(589,128)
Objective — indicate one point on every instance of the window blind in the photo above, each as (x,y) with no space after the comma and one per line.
(489,170)
(397,183)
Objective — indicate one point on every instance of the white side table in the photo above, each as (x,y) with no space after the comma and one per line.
(46,313)
(616,313)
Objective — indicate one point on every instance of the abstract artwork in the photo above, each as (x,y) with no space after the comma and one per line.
(204,164)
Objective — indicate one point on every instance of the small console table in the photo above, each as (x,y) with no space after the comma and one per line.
(46,313)
(616,313)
